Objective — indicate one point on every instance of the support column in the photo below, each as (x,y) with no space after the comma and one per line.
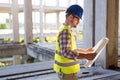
(15,25)
(10,21)
(88,23)
(28,26)
(28,21)
(69,1)
(17,60)
(57,13)
(57,2)
(76,1)
(107,25)
(119,32)
(100,28)
(58,23)
(112,33)
(41,22)
(15,21)
(45,26)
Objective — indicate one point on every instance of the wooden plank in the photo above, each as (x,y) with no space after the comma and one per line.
(112,33)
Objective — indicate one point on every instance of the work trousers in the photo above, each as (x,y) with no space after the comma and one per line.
(63,76)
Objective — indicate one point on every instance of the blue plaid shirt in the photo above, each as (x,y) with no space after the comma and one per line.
(65,42)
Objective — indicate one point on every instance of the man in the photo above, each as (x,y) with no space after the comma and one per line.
(66,64)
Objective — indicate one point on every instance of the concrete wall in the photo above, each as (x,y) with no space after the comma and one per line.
(100,27)
(88,23)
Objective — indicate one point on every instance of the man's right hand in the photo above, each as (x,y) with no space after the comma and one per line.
(87,51)
(89,56)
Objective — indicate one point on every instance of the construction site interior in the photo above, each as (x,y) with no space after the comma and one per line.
(28,31)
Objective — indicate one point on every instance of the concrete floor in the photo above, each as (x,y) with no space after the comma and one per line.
(44,71)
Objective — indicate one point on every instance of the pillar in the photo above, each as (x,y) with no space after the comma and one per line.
(106,24)
(58,22)
(88,23)
(15,23)
(112,33)
(100,28)
(28,36)
(41,22)
(28,21)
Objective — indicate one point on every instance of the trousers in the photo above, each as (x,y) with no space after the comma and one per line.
(63,76)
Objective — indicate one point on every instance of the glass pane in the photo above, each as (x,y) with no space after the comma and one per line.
(5,1)
(50,2)
(20,1)
(35,2)
(63,2)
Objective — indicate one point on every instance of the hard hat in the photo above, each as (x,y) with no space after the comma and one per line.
(75,9)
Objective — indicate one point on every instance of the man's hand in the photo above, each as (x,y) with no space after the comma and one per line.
(88,54)
(90,50)
(87,51)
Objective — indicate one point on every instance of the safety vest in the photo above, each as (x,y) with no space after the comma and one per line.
(62,64)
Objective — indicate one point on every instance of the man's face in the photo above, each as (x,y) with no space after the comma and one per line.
(75,21)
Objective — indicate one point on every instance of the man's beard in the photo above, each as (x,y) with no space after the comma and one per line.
(74,26)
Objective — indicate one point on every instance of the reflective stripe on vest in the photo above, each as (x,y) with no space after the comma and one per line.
(66,64)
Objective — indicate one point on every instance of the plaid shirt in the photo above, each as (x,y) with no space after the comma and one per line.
(65,42)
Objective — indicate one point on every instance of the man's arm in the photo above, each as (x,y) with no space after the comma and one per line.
(65,43)
(88,54)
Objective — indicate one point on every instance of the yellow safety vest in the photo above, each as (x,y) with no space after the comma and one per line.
(62,64)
